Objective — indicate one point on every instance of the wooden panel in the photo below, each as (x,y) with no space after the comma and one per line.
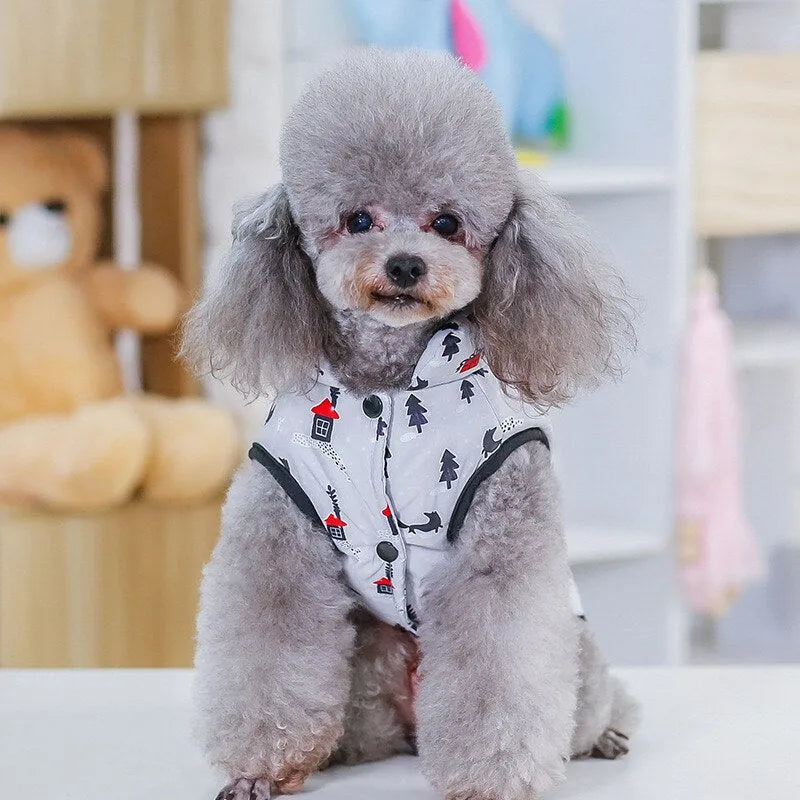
(748,141)
(171,233)
(90,57)
(105,590)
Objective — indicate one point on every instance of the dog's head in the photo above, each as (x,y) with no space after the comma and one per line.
(399,174)
(401,201)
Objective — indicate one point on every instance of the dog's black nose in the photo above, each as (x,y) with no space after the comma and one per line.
(405,270)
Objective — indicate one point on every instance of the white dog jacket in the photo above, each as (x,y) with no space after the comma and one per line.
(390,477)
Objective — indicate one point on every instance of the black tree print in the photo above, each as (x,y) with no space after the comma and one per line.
(335,392)
(467,390)
(381,429)
(416,413)
(449,468)
(450,342)
(331,492)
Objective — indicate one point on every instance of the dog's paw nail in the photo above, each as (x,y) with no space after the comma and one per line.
(246,789)
(611,744)
(291,781)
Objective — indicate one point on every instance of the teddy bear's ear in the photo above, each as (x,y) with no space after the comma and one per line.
(88,156)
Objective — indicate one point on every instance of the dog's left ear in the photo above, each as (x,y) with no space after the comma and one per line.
(263,322)
(552,317)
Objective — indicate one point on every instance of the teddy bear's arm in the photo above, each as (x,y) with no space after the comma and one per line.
(147,299)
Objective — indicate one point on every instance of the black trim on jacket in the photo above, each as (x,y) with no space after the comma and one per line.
(286,481)
(486,470)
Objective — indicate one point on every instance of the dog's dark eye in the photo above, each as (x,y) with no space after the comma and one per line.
(56,206)
(445,225)
(5,218)
(360,222)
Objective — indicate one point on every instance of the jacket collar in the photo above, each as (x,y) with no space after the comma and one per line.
(450,355)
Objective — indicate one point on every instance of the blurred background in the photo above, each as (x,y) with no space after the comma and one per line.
(127,131)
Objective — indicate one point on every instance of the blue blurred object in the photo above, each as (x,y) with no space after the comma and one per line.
(402,23)
(521,66)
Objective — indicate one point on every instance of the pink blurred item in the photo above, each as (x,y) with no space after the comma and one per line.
(468,41)
(718,552)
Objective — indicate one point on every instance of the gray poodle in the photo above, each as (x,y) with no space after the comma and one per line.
(402,224)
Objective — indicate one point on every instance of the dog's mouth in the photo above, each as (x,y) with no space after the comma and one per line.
(400,300)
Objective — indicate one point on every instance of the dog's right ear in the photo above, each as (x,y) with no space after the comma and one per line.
(553,317)
(263,322)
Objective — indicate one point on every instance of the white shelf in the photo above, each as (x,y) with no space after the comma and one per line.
(589,545)
(766,343)
(570,177)
(745,2)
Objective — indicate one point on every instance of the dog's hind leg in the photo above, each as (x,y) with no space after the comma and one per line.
(605,714)
(379,721)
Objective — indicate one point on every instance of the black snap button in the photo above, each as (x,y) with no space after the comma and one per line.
(386,551)
(373,406)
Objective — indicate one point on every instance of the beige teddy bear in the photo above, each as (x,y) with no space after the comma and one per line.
(69,438)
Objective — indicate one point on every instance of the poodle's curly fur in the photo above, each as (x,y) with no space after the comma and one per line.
(288,680)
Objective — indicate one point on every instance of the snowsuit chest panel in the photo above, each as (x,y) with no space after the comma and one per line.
(390,476)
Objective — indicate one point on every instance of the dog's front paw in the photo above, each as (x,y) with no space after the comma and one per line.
(611,744)
(500,775)
(246,789)
(287,782)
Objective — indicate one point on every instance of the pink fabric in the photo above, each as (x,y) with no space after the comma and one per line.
(468,40)
(718,551)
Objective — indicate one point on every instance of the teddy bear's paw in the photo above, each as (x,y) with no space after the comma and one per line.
(611,744)
(246,789)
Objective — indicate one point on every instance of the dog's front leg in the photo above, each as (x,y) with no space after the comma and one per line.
(499,643)
(273,643)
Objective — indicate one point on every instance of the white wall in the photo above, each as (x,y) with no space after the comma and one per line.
(241,144)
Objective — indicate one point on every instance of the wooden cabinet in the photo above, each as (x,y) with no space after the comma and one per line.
(115,589)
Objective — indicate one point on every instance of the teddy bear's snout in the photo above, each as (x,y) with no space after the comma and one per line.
(39,235)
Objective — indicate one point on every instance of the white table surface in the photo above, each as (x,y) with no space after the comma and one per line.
(708,734)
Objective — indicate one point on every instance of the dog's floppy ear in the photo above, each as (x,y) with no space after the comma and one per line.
(262,323)
(552,317)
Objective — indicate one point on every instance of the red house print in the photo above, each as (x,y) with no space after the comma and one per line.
(335,526)
(384,586)
(322,424)
(470,363)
